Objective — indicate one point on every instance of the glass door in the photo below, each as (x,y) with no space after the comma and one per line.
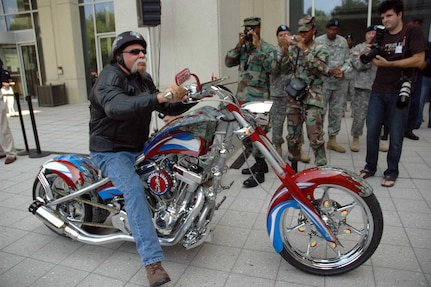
(31,75)
(104,50)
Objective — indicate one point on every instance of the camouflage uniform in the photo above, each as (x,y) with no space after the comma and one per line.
(350,76)
(311,67)
(253,82)
(253,79)
(365,74)
(335,90)
(277,80)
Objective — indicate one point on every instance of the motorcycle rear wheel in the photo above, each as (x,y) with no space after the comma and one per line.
(73,210)
(356,221)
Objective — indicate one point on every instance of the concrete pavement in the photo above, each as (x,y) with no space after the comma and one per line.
(239,254)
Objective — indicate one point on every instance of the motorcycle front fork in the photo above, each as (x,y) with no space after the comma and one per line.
(285,172)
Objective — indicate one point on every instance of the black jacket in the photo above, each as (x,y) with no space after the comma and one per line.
(121,108)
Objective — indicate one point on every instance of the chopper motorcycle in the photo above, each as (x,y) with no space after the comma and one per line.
(322,220)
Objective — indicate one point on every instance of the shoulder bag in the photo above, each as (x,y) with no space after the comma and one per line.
(296,87)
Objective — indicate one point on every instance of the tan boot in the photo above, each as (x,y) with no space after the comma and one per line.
(279,150)
(382,147)
(355,144)
(304,157)
(156,275)
(332,145)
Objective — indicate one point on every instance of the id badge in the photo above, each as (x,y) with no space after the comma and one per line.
(399,49)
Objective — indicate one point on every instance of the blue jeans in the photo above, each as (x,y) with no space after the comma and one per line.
(425,96)
(119,167)
(382,107)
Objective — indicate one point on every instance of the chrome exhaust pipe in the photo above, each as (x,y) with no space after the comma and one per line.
(180,234)
(57,224)
(48,217)
(54,222)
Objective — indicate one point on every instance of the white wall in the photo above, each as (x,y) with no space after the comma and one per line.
(187,37)
(197,34)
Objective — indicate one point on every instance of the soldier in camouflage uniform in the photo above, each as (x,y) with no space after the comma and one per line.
(277,80)
(253,82)
(334,84)
(365,74)
(311,66)
(350,77)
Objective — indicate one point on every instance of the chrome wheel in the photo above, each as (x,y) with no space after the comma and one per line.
(356,221)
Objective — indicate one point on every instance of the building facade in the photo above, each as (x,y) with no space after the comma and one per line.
(56,42)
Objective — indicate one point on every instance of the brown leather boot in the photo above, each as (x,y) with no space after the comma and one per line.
(332,145)
(156,275)
(382,147)
(304,157)
(355,144)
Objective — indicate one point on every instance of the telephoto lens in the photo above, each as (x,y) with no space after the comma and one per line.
(404,96)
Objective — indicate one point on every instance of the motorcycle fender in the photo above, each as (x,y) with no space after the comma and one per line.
(307,181)
(76,170)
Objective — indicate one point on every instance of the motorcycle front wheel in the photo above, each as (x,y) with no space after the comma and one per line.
(356,221)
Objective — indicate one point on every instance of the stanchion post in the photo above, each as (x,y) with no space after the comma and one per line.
(21,119)
(38,152)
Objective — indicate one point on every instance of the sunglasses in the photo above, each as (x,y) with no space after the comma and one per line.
(136,51)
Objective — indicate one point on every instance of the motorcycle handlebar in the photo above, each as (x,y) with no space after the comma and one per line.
(198,92)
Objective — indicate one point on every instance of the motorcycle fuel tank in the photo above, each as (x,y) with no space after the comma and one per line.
(190,135)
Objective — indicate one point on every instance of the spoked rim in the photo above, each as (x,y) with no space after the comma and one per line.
(73,211)
(345,213)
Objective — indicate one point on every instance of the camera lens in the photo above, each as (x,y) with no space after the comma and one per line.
(248,37)
(404,96)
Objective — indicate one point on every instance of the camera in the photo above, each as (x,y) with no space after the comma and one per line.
(376,47)
(405,89)
(248,37)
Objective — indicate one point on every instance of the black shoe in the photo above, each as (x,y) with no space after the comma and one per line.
(259,166)
(251,182)
(417,126)
(411,135)
(384,137)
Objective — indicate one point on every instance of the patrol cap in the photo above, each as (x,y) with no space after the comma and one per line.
(305,24)
(252,21)
(334,22)
(282,28)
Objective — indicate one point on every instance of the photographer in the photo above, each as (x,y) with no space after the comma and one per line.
(309,61)
(402,50)
(253,82)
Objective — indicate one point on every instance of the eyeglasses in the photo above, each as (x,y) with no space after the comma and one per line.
(136,51)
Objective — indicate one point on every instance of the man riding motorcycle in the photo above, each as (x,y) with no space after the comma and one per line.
(122,100)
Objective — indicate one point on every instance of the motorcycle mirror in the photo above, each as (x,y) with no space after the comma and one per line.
(182,77)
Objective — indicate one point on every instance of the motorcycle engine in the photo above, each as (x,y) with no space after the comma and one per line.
(170,182)
(159,182)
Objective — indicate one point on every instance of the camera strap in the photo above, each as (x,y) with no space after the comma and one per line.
(296,61)
(404,47)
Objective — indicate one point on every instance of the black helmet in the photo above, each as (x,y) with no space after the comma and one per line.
(125,39)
